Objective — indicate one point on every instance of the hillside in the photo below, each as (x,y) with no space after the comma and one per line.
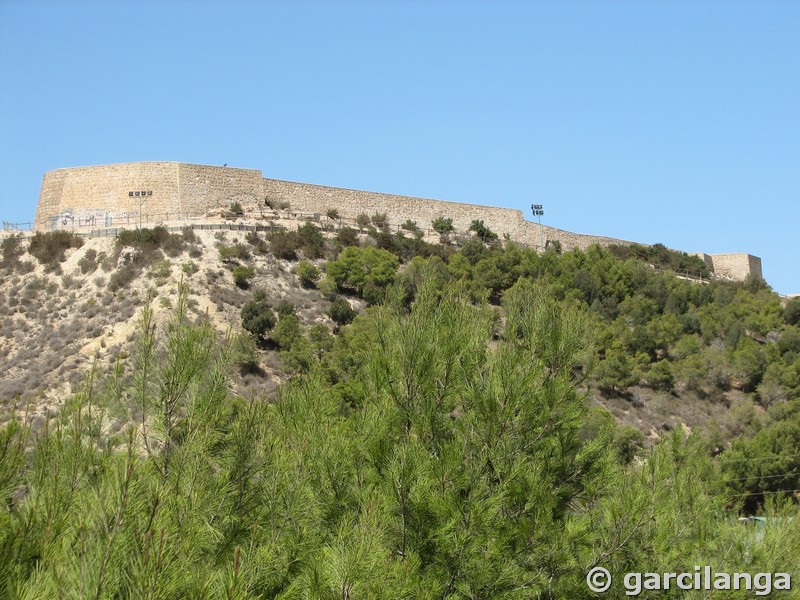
(466,436)
(668,350)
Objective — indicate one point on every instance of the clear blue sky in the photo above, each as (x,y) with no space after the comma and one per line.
(675,122)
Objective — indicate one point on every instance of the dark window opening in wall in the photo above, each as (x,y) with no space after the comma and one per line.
(130,193)
(136,193)
(150,192)
(141,193)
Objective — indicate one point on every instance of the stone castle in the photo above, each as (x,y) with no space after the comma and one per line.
(123,195)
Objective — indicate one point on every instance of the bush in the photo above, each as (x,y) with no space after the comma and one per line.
(310,240)
(380,220)
(660,377)
(257,316)
(308,274)
(362,220)
(341,312)
(284,245)
(442,225)
(88,262)
(358,268)
(242,276)
(246,355)
(347,236)
(161,270)
(410,225)
(150,241)
(49,248)
(11,250)
(333,214)
(188,235)
(791,314)
(257,242)
(236,209)
(287,331)
(123,276)
(232,253)
(482,231)
(285,308)
(189,268)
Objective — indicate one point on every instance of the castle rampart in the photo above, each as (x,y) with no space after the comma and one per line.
(121,194)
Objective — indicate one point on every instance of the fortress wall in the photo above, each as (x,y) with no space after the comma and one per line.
(736,266)
(50,197)
(100,194)
(203,188)
(531,234)
(309,198)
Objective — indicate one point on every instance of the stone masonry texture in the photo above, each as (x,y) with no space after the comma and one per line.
(119,195)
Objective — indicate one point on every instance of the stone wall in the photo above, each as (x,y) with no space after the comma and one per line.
(118,195)
(101,195)
(203,188)
(319,199)
(112,195)
(736,266)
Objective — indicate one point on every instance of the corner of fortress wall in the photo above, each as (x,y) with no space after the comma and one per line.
(736,266)
(175,190)
(105,195)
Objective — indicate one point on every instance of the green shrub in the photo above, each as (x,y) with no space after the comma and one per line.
(189,268)
(189,235)
(50,248)
(442,225)
(123,276)
(380,220)
(257,316)
(791,314)
(362,220)
(310,240)
(341,312)
(257,242)
(333,214)
(234,252)
(307,273)
(482,231)
(410,225)
(161,269)
(284,245)
(242,276)
(11,249)
(285,308)
(88,262)
(358,268)
(347,236)
(327,286)
(659,376)
(149,241)
(236,209)
(287,331)
(245,355)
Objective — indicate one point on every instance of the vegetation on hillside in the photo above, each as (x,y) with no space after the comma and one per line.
(453,458)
